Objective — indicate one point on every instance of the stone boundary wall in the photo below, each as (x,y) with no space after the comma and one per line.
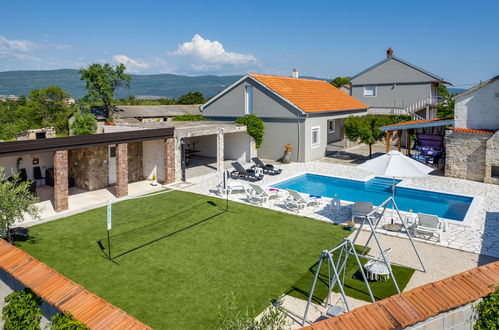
(492,158)
(459,318)
(465,155)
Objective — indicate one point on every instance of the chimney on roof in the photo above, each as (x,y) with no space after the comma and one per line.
(389,52)
(295,73)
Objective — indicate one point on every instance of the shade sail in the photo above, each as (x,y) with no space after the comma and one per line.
(395,164)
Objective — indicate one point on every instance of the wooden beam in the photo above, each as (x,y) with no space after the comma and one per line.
(388,137)
(399,137)
(408,142)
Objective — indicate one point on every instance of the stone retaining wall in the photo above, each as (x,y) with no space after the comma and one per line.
(465,155)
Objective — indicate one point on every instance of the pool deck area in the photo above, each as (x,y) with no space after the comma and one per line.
(480,236)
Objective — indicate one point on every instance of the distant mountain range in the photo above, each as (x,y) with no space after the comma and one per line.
(142,86)
(146,86)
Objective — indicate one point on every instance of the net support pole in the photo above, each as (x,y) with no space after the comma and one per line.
(109,245)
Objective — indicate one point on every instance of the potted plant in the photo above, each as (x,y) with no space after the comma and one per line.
(154,182)
(350,226)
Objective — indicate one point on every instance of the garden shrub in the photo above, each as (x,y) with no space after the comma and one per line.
(189,118)
(254,126)
(22,310)
(66,321)
(487,312)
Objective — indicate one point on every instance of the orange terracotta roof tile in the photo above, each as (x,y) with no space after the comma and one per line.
(310,95)
(62,293)
(419,304)
(472,130)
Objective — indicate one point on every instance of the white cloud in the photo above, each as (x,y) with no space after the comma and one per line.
(132,65)
(20,49)
(211,52)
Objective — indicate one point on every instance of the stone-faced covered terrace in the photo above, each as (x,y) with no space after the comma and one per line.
(89,162)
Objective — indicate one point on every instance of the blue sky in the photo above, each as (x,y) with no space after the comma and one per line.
(457,40)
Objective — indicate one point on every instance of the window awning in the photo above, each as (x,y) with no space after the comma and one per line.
(418,124)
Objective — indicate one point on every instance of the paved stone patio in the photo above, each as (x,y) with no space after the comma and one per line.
(481,237)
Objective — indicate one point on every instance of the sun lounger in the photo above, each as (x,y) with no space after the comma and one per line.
(258,195)
(231,187)
(249,174)
(376,268)
(430,224)
(267,168)
(296,201)
(361,209)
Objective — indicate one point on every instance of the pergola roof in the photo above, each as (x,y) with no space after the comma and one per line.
(418,124)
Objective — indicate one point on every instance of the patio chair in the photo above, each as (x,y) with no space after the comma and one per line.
(361,209)
(258,195)
(240,172)
(231,187)
(267,168)
(376,268)
(430,225)
(295,201)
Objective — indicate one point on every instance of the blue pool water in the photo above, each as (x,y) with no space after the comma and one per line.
(377,190)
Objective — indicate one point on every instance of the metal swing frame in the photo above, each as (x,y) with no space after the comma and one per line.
(348,248)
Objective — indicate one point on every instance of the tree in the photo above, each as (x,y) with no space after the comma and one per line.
(191,98)
(84,124)
(102,82)
(15,201)
(365,129)
(255,127)
(340,81)
(446,108)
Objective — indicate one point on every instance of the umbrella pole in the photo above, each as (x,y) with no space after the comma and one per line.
(393,197)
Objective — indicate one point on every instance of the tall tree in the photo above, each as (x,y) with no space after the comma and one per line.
(191,98)
(15,201)
(340,81)
(446,107)
(102,82)
(365,129)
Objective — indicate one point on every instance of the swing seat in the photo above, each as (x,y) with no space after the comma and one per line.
(335,311)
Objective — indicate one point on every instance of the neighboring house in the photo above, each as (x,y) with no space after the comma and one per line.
(305,113)
(134,114)
(473,145)
(35,134)
(394,86)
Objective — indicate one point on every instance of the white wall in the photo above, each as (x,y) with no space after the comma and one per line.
(237,146)
(45,160)
(479,109)
(153,159)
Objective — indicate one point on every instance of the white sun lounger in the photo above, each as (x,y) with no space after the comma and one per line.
(297,202)
(258,195)
(430,224)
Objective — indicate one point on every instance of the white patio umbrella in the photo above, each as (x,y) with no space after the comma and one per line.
(395,164)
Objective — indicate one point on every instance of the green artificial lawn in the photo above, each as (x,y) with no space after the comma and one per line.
(354,285)
(178,256)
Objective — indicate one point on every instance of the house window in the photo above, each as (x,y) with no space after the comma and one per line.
(494,171)
(316,136)
(248,104)
(370,90)
(112,152)
(331,124)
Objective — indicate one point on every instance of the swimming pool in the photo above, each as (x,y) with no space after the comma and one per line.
(377,190)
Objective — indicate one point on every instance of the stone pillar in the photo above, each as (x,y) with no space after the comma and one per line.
(169,152)
(220,151)
(61,180)
(408,142)
(121,170)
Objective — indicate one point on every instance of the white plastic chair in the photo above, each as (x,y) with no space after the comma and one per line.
(232,186)
(361,209)
(335,206)
(430,224)
(296,201)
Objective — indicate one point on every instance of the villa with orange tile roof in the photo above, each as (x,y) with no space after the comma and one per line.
(308,114)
